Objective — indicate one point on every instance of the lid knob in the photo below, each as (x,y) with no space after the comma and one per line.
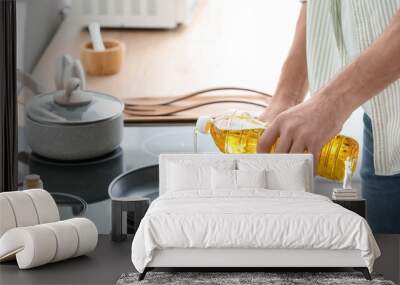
(73,95)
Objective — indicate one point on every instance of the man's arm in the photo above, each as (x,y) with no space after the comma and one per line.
(375,69)
(293,84)
(308,126)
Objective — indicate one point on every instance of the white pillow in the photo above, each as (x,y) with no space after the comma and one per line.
(285,178)
(251,178)
(281,174)
(181,177)
(186,175)
(225,179)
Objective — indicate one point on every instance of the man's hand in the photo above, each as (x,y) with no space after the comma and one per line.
(307,126)
(275,108)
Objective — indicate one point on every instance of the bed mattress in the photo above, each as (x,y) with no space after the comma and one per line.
(251,219)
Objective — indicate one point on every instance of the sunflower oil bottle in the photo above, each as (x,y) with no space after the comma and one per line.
(238,133)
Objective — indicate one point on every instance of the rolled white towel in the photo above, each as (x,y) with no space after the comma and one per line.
(32,246)
(7,220)
(45,205)
(23,208)
(40,244)
(87,235)
(67,240)
(26,208)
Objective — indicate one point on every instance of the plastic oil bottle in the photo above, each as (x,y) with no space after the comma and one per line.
(238,132)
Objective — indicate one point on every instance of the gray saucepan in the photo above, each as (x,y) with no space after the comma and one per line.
(73,124)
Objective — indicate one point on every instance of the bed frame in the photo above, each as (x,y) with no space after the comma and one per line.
(236,259)
(261,259)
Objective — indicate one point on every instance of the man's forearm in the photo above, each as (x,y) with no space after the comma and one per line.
(293,82)
(375,69)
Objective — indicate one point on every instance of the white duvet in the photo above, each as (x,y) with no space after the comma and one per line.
(250,219)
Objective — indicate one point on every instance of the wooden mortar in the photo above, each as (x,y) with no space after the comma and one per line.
(106,62)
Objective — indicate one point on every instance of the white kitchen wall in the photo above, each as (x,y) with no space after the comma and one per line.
(37,22)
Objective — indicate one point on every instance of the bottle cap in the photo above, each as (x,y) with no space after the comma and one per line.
(202,124)
(32,177)
(32,181)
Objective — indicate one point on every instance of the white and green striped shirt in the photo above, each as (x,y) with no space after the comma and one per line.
(337,32)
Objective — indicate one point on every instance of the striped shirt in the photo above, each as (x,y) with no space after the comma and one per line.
(337,32)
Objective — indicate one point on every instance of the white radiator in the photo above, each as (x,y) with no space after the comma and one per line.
(164,14)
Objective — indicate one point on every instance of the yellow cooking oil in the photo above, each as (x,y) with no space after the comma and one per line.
(239,132)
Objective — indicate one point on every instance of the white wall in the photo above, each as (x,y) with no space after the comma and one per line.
(37,21)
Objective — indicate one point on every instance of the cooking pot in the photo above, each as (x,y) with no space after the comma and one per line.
(73,124)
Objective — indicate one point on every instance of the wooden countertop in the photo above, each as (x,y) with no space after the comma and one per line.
(228,43)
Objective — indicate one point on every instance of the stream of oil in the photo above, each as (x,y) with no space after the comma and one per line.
(195,138)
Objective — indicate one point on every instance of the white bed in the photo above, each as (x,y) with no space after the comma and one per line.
(201,219)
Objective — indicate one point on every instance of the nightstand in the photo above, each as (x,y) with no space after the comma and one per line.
(131,194)
(358,206)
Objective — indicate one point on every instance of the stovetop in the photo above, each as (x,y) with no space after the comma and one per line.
(81,188)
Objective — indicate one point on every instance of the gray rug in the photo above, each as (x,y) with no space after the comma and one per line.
(269,278)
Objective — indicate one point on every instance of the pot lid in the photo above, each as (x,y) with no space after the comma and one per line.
(83,107)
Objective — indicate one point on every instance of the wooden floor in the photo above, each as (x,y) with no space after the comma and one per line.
(110,260)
